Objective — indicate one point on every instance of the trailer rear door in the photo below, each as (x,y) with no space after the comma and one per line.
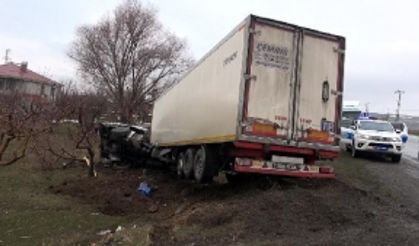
(270,81)
(317,95)
(293,84)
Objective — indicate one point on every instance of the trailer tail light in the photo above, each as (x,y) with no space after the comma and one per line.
(264,129)
(316,135)
(326,169)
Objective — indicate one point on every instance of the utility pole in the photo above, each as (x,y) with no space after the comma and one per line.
(367,107)
(399,102)
(6,56)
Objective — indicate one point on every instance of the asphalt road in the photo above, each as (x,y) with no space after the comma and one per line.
(411,148)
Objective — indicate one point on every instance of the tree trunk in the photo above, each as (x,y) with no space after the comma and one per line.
(91,171)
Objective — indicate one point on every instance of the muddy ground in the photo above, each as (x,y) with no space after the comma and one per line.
(257,211)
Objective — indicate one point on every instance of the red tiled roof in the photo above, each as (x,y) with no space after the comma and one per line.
(14,71)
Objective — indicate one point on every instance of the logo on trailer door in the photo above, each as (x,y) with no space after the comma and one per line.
(271,55)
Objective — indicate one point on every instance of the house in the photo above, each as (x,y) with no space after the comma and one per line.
(17,78)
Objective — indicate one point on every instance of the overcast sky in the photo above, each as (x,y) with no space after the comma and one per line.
(382,36)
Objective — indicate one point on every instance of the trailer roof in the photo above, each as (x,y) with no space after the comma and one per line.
(262,20)
(293,26)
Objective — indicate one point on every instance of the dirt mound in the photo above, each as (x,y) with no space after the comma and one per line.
(115,192)
(255,211)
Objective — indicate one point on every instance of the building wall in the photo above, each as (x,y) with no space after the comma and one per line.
(27,87)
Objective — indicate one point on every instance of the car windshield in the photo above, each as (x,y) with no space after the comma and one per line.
(398,126)
(378,126)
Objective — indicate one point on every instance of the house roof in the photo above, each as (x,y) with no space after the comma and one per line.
(11,70)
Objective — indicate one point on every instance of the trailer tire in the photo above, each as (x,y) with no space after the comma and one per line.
(204,164)
(179,165)
(188,163)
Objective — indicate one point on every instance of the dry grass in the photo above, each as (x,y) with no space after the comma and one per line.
(32,215)
(414,132)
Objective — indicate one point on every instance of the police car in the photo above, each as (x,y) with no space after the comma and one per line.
(376,136)
(401,129)
(346,131)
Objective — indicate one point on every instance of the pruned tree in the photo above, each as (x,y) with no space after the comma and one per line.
(129,57)
(72,136)
(21,119)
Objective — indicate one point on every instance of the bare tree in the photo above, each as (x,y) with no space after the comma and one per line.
(21,119)
(72,136)
(129,57)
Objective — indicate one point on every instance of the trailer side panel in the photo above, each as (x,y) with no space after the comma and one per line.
(202,107)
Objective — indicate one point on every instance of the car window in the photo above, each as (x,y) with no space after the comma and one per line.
(378,126)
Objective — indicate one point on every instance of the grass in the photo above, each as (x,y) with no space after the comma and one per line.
(31,215)
(414,132)
(355,172)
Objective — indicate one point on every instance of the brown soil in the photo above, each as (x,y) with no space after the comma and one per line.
(255,212)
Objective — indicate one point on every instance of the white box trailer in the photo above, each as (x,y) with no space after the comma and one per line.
(269,90)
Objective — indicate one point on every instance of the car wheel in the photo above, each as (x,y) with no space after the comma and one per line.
(396,158)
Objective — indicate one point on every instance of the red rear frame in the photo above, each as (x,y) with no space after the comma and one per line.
(260,151)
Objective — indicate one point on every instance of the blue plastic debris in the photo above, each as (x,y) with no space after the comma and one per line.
(144,189)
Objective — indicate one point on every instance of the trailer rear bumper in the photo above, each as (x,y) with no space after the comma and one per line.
(245,165)
(258,150)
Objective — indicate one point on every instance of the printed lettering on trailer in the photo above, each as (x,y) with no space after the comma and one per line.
(230,58)
(271,55)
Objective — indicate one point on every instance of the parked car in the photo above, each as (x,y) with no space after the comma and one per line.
(346,133)
(401,129)
(376,136)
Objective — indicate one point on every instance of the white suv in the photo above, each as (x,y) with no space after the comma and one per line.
(378,137)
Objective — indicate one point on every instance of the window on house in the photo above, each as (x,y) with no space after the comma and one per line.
(42,90)
(10,85)
(53,91)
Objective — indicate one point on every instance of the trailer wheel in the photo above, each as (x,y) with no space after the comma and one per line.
(204,164)
(180,165)
(188,163)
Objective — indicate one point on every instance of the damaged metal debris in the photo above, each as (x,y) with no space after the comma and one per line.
(123,145)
